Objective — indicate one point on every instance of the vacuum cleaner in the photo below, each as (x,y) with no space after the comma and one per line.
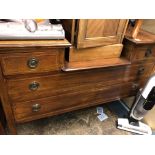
(144,102)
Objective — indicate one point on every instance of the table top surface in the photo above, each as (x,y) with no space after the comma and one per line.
(143,37)
(32,43)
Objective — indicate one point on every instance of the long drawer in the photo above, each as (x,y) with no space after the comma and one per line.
(32,62)
(25,111)
(52,85)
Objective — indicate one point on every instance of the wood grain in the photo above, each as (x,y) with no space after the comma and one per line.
(99,63)
(69,27)
(72,101)
(34,43)
(92,33)
(138,52)
(102,52)
(62,83)
(72,82)
(18,62)
(143,37)
(2,131)
(7,105)
(105,77)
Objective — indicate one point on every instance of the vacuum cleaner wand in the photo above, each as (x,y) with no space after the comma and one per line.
(143,103)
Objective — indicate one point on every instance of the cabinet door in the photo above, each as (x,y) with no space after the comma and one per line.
(99,32)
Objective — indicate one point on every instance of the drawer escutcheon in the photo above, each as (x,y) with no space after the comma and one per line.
(148,52)
(36,107)
(34,85)
(32,63)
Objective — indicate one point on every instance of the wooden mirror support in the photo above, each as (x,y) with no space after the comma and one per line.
(133,30)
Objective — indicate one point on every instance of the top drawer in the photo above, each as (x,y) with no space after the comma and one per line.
(143,52)
(138,52)
(33,62)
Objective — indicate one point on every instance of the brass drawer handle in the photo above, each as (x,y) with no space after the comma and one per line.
(32,63)
(34,85)
(36,107)
(141,70)
(148,52)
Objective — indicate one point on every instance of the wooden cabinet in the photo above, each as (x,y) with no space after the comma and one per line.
(96,43)
(22,60)
(34,82)
(100,32)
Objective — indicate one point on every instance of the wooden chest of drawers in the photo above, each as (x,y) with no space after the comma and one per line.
(23,60)
(34,85)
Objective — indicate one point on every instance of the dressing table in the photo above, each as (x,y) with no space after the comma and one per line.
(91,66)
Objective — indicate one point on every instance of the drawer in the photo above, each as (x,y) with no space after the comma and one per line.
(143,52)
(139,52)
(51,85)
(140,71)
(25,111)
(62,83)
(33,62)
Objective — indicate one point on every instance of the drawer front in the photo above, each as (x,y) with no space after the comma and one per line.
(52,85)
(138,52)
(143,52)
(25,111)
(140,71)
(34,62)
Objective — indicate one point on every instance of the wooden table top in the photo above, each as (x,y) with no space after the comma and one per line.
(32,43)
(143,37)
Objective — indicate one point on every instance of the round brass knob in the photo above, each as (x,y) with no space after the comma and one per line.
(32,63)
(148,52)
(34,85)
(36,107)
(141,70)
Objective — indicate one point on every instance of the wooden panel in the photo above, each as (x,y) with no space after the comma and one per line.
(74,81)
(2,131)
(138,52)
(99,32)
(18,63)
(34,43)
(87,54)
(111,27)
(98,63)
(69,27)
(63,83)
(95,28)
(141,53)
(59,104)
(101,28)
(2,120)
(140,71)
(6,105)
(143,37)
(153,70)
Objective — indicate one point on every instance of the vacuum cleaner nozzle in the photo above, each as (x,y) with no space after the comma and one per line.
(143,129)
